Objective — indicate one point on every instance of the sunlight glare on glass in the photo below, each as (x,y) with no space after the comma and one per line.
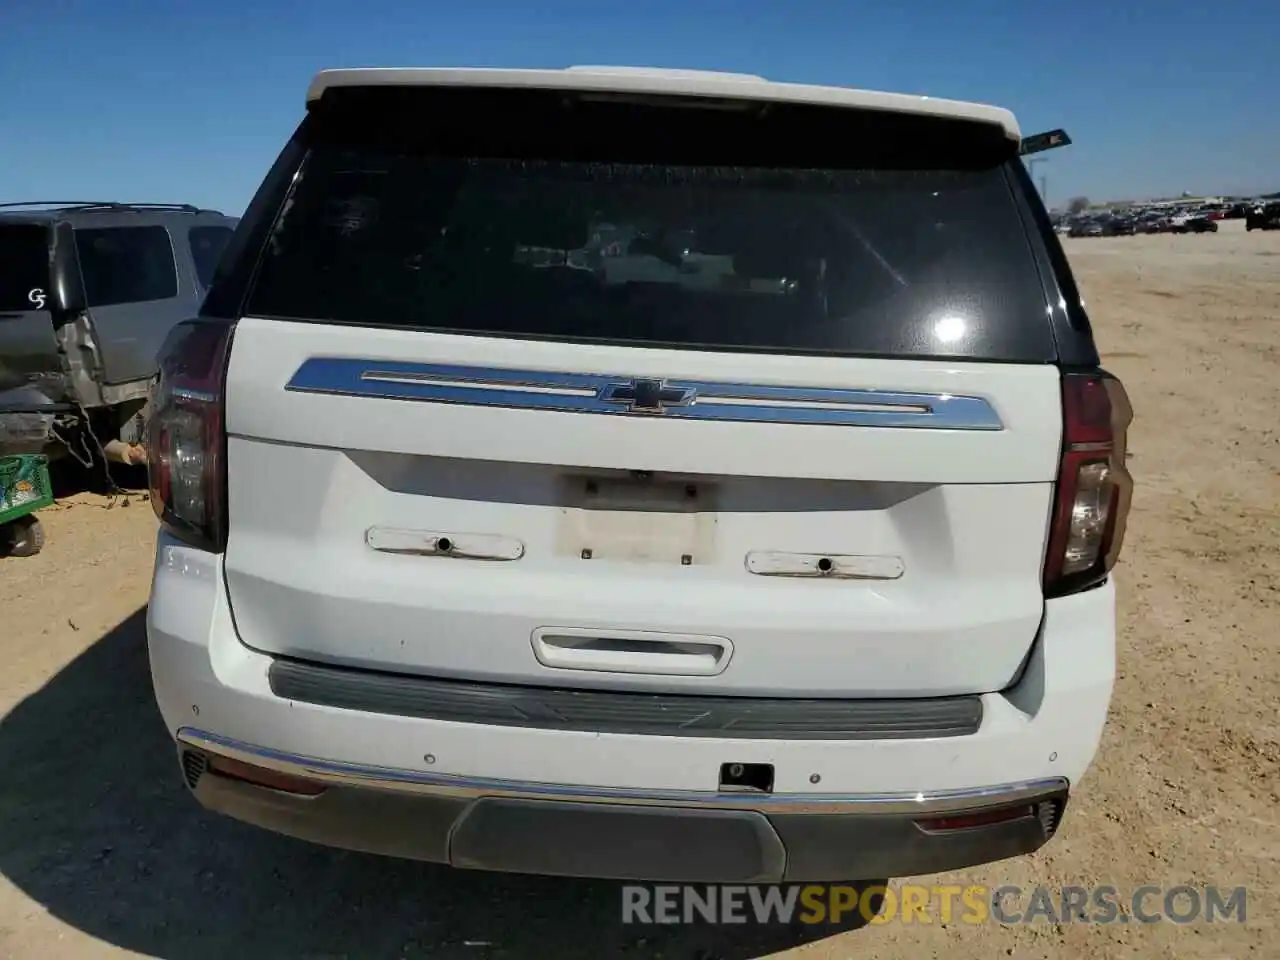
(950,328)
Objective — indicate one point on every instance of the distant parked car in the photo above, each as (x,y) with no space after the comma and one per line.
(1192,223)
(88,293)
(1265,217)
(1119,227)
(1199,224)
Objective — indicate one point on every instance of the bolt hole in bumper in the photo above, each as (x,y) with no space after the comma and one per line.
(668,837)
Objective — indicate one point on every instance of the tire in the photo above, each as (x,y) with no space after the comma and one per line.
(24,538)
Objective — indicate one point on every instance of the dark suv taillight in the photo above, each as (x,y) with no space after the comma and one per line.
(1094,486)
(186,440)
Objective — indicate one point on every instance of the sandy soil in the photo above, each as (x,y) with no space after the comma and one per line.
(102,854)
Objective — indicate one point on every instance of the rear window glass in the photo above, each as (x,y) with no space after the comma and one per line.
(791,232)
(24,267)
(126,264)
(207,244)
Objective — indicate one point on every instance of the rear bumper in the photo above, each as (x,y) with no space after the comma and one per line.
(25,429)
(628,835)
(625,805)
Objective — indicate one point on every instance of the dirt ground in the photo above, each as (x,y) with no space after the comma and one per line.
(103,855)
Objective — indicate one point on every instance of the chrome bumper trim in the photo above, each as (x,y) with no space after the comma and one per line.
(339,773)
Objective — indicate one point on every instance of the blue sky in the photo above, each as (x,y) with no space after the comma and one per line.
(184,101)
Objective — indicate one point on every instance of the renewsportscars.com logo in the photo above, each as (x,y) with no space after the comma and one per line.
(913,903)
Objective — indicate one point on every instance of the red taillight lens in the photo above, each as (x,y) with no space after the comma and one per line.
(186,442)
(1094,486)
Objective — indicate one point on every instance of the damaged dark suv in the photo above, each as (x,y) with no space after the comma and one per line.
(88,293)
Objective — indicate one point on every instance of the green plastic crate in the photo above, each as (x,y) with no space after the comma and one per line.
(24,486)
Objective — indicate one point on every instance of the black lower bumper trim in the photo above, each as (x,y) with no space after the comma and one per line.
(619,841)
(586,839)
(550,708)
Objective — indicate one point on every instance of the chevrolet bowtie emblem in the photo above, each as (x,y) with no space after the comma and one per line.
(647,396)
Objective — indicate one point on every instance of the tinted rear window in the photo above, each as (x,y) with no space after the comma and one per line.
(207,244)
(795,230)
(24,267)
(126,264)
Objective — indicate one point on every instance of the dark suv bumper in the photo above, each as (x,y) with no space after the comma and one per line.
(588,832)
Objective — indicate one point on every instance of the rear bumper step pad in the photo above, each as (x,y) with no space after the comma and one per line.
(646,714)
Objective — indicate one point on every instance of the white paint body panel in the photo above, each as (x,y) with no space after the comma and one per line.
(964,512)
(658,82)
(1049,726)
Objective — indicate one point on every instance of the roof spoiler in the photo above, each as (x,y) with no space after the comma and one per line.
(1049,140)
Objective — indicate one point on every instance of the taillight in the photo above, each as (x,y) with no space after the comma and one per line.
(1094,486)
(186,440)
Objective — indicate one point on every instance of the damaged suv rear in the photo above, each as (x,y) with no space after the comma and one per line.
(88,292)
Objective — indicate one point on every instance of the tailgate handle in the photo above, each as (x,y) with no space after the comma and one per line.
(631,651)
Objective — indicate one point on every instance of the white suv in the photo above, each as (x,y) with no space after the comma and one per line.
(640,474)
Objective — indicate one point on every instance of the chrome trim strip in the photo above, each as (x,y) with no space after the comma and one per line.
(413,781)
(607,394)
